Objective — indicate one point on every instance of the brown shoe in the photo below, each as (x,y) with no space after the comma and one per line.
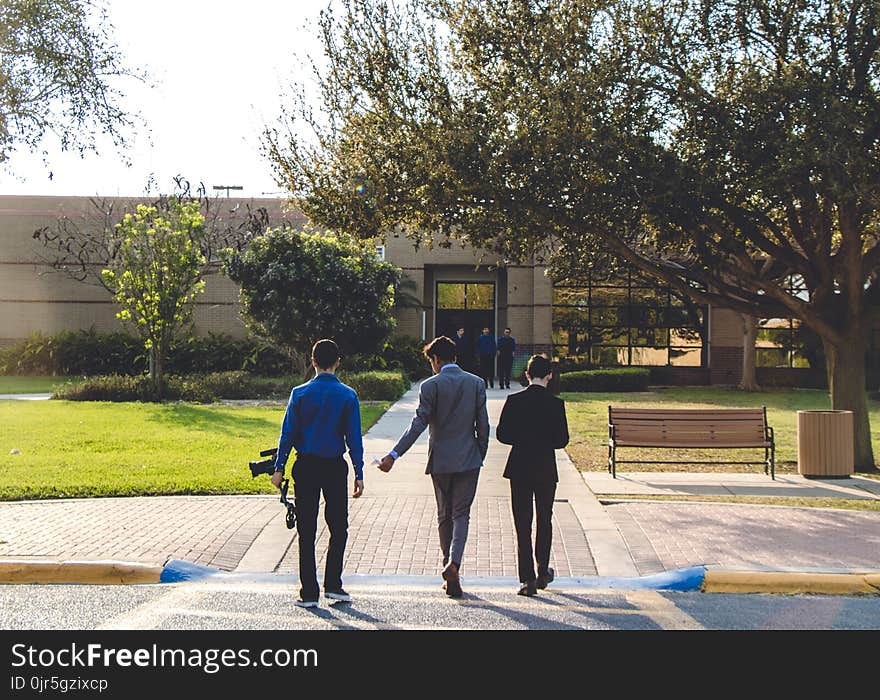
(453,585)
(544,579)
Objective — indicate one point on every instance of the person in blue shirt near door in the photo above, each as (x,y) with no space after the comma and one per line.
(322,417)
(486,350)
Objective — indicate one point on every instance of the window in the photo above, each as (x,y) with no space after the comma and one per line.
(785,342)
(626,320)
(469,296)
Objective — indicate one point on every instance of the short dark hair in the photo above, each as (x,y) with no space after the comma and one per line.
(442,348)
(325,353)
(539,366)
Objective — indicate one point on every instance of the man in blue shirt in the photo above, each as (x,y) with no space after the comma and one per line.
(486,349)
(322,416)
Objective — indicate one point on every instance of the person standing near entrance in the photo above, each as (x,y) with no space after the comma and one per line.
(486,350)
(322,417)
(452,404)
(462,350)
(533,422)
(506,348)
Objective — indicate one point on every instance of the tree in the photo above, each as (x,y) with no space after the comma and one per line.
(83,245)
(298,287)
(156,274)
(58,65)
(722,146)
(749,379)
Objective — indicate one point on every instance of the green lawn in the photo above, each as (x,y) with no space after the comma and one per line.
(131,449)
(588,425)
(10,384)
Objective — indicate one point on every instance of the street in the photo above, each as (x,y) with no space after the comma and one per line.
(269,606)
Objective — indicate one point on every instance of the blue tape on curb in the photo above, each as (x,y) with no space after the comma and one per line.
(678,580)
(177,570)
(691,579)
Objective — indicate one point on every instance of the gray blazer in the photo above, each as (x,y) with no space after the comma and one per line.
(453,404)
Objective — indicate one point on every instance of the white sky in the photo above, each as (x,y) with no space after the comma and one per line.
(218,68)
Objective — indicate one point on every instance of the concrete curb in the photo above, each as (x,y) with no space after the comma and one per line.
(721,581)
(86,572)
(697,578)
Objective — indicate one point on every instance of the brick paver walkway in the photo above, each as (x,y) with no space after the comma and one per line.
(211,530)
(398,535)
(666,536)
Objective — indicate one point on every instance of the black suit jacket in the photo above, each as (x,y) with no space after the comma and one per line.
(533,422)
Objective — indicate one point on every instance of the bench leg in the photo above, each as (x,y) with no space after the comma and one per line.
(773,461)
(612,467)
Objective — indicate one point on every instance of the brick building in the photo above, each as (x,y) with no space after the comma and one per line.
(599,322)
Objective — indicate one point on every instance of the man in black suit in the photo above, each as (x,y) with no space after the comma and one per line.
(506,348)
(462,349)
(533,422)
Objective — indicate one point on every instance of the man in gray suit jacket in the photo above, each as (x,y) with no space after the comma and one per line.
(452,404)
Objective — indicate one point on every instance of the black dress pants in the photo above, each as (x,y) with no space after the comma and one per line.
(522,493)
(487,370)
(506,362)
(311,476)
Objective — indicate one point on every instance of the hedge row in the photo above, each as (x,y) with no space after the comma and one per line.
(88,353)
(623,379)
(371,386)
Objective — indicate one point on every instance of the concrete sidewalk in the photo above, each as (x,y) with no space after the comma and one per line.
(393,526)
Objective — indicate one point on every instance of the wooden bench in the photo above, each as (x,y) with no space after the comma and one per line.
(720,428)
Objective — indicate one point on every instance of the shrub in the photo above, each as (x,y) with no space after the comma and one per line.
(377,386)
(89,353)
(84,352)
(623,379)
(406,353)
(204,388)
(197,388)
(117,387)
(217,385)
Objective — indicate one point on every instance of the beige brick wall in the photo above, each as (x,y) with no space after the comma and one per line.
(725,328)
(35,298)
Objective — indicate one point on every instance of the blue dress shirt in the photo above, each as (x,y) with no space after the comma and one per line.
(323,415)
(486,345)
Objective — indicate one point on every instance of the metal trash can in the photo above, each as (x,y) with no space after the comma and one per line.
(825,443)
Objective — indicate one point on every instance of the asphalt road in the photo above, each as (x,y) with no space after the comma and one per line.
(269,606)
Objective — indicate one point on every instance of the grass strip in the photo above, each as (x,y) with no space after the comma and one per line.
(61,449)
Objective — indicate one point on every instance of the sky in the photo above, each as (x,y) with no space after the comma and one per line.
(216,70)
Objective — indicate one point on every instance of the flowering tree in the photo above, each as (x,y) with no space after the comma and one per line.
(157,273)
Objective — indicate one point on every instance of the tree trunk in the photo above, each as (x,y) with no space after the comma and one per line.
(845,364)
(157,367)
(749,381)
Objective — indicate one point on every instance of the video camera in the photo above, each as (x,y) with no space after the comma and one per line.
(267,466)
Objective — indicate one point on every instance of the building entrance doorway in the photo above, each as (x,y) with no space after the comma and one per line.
(468,305)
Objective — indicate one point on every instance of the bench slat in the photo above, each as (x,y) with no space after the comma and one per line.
(695,444)
(696,424)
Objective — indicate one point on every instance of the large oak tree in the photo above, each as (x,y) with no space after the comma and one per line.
(58,71)
(728,147)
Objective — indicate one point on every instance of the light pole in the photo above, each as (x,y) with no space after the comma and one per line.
(228,187)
